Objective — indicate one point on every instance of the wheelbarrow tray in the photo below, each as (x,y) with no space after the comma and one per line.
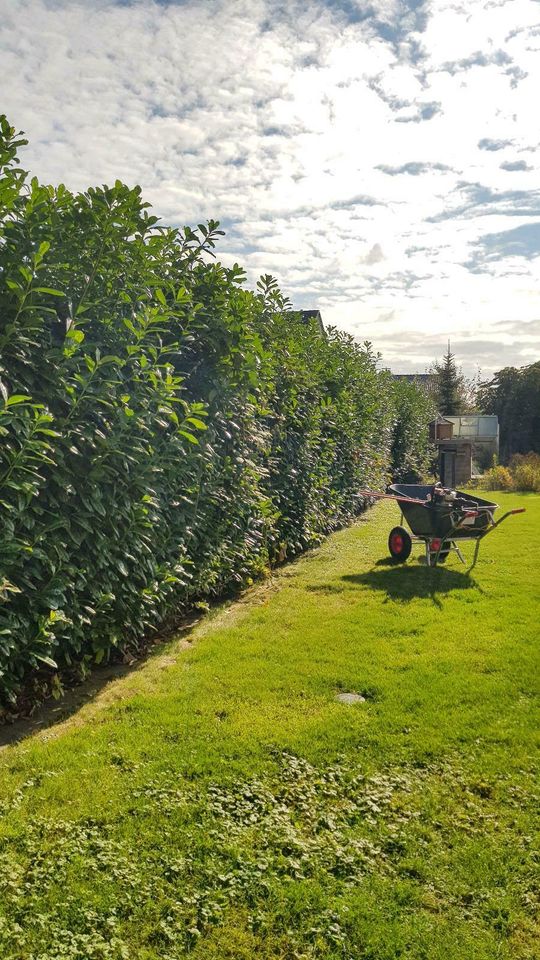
(441,518)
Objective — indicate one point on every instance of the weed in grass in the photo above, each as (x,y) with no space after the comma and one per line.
(253,844)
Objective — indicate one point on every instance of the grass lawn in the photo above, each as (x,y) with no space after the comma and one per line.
(221,802)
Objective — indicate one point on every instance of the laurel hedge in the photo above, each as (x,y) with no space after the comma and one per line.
(165,432)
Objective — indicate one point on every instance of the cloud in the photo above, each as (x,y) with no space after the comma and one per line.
(476,200)
(524,329)
(478,59)
(522,241)
(358,149)
(513,165)
(486,143)
(413,167)
(375,255)
(422,111)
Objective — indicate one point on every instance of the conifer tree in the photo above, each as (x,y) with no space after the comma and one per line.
(451,387)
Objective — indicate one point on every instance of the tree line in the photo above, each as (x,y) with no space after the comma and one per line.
(513,394)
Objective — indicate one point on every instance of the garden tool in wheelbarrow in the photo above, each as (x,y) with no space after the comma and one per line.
(439,518)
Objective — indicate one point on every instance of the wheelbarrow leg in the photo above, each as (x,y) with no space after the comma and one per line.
(476,549)
(493,526)
(459,553)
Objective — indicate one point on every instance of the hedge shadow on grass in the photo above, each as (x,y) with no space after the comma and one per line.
(79,694)
(51,711)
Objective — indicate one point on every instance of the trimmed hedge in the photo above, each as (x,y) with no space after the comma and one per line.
(165,432)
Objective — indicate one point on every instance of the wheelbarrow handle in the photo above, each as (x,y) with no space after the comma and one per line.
(509,513)
(390,496)
(490,529)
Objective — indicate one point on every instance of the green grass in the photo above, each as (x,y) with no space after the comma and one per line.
(220,802)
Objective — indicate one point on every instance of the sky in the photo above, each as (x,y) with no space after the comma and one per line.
(379,158)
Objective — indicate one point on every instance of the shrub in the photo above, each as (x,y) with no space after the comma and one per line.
(525,469)
(496,478)
(522,474)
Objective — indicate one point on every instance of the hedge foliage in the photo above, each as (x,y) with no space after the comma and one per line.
(165,432)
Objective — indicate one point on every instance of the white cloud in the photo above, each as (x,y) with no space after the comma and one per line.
(341,151)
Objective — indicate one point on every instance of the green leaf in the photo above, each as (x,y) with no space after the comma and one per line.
(26,273)
(49,290)
(188,436)
(75,334)
(44,247)
(197,423)
(110,358)
(47,660)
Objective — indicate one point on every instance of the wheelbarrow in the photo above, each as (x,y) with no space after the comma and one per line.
(440,519)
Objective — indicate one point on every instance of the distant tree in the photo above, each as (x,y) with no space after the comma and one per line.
(513,394)
(471,386)
(452,388)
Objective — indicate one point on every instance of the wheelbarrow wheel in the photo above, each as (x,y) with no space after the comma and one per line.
(438,552)
(400,544)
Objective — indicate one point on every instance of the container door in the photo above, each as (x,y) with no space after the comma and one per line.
(448,469)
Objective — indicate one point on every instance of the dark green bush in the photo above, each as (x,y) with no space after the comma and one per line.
(165,433)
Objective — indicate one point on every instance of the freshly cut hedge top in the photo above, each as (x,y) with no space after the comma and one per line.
(165,433)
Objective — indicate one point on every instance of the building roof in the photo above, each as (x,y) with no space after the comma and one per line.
(429,381)
(476,426)
(308,315)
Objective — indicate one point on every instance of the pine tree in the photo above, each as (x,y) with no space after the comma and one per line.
(451,391)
